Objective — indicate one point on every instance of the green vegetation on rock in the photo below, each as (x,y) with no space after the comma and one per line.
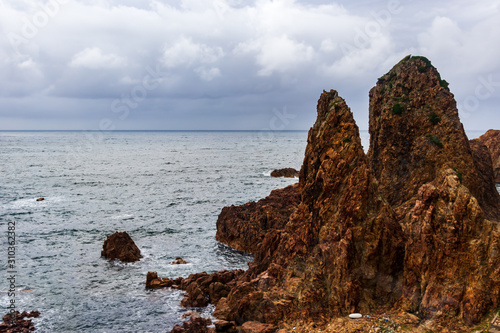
(435,140)
(397,109)
(434,118)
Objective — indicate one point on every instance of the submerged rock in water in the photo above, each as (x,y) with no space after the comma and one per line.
(121,246)
(179,261)
(286,172)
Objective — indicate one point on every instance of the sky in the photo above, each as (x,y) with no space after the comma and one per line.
(232,64)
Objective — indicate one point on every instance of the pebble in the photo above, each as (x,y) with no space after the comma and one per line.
(355,315)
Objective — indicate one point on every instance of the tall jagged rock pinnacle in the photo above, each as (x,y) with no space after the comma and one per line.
(342,249)
(415,132)
(442,195)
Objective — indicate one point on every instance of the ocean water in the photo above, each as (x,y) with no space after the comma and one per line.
(165,189)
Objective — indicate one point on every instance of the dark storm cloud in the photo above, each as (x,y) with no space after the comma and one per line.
(228,64)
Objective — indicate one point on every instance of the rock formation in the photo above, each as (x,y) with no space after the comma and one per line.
(415,132)
(18,322)
(195,324)
(413,226)
(244,227)
(342,248)
(121,246)
(202,288)
(491,140)
(179,261)
(442,194)
(286,172)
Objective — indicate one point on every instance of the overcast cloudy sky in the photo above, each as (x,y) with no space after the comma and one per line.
(232,64)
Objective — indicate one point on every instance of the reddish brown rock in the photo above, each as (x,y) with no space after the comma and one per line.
(195,324)
(413,227)
(18,322)
(244,227)
(452,262)
(201,288)
(443,193)
(120,246)
(491,140)
(415,132)
(225,326)
(179,261)
(342,248)
(482,161)
(286,172)
(256,327)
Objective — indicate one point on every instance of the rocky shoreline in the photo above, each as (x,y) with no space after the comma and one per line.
(408,233)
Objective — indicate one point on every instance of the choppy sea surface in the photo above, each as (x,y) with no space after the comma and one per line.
(165,189)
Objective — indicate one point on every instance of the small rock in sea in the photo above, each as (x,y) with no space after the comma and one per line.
(355,315)
(121,246)
(179,261)
(40,199)
(20,322)
(286,172)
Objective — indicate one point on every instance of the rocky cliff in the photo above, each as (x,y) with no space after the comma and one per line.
(442,194)
(413,226)
(244,227)
(491,140)
(415,132)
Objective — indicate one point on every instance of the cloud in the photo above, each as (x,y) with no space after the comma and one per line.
(238,55)
(279,54)
(94,58)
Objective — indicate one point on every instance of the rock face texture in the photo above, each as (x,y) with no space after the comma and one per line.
(415,132)
(244,227)
(342,248)
(413,226)
(202,288)
(286,172)
(441,192)
(121,246)
(491,140)
(195,324)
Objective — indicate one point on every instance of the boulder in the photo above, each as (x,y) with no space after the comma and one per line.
(286,172)
(121,246)
(179,261)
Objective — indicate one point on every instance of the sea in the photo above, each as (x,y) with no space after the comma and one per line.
(166,189)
